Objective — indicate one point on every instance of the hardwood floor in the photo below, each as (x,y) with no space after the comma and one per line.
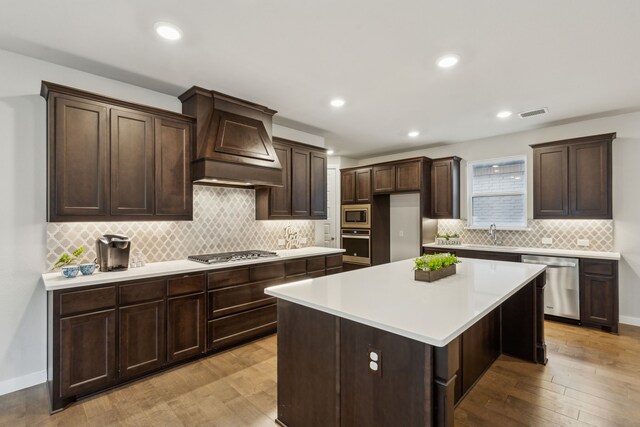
(592,379)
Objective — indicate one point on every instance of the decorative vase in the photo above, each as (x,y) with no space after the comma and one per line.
(432,276)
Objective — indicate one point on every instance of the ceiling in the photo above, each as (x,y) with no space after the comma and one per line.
(576,57)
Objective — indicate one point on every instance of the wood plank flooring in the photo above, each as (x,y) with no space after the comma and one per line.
(592,379)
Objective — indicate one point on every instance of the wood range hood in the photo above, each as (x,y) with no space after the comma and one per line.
(233,140)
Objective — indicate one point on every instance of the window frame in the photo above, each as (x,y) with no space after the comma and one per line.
(471,194)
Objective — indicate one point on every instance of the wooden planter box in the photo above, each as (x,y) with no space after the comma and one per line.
(432,276)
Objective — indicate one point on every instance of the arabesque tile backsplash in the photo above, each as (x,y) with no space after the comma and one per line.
(564,233)
(223,220)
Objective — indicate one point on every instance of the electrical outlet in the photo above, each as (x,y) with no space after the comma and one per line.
(375,362)
(401,233)
(583,242)
(547,240)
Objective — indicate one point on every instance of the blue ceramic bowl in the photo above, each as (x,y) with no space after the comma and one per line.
(87,269)
(70,271)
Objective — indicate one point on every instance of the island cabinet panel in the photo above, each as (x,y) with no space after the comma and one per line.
(132,163)
(142,338)
(87,353)
(369,398)
(572,178)
(445,188)
(112,160)
(174,193)
(480,347)
(384,179)
(409,176)
(599,294)
(311,365)
(185,326)
(78,149)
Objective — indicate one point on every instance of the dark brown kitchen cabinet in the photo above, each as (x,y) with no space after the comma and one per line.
(445,188)
(87,352)
(112,160)
(355,186)
(185,326)
(132,163)
(78,159)
(572,178)
(409,176)
(599,294)
(304,191)
(384,179)
(173,161)
(142,338)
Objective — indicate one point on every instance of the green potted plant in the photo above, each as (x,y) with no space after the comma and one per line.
(429,268)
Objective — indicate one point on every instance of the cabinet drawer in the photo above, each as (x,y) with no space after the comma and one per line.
(185,285)
(295,267)
(315,264)
(224,278)
(334,270)
(600,268)
(87,300)
(266,272)
(313,274)
(233,329)
(223,302)
(334,261)
(141,292)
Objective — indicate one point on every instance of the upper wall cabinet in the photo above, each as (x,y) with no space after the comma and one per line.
(397,177)
(445,188)
(572,178)
(304,191)
(355,186)
(111,160)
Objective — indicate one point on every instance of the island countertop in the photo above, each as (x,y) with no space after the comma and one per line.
(387,297)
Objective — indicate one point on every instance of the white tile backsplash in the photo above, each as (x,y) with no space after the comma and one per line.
(223,220)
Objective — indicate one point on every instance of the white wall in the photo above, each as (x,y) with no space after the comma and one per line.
(626,192)
(404,227)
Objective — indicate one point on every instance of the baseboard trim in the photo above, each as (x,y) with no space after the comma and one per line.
(18,383)
(628,320)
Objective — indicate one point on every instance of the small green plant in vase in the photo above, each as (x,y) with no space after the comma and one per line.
(429,268)
(66,263)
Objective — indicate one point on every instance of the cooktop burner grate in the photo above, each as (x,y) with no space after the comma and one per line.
(231,256)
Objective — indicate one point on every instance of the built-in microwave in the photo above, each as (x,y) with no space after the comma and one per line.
(356,216)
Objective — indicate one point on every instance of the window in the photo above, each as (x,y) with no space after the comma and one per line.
(498,192)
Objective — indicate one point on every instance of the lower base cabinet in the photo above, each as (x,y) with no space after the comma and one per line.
(104,335)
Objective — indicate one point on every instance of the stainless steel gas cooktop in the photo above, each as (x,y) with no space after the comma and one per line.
(231,256)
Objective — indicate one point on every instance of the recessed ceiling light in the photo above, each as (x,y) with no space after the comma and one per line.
(413,134)
(329,152)
(168,31)
(337,102)
(495,166)
(448,61)
(503,114)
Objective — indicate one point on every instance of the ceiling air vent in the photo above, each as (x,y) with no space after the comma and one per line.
(531,113)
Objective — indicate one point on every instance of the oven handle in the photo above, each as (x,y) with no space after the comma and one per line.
(356,237)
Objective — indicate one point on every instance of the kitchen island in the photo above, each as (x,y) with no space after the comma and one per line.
(375,347)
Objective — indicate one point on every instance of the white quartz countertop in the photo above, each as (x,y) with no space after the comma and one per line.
(530,251)
(55,280)
(387,297)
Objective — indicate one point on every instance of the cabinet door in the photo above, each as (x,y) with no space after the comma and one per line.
(132,163)
(185,327)
(318,185)
(363,186)
(142,338)
(300,198)
(348,187)
(590,180)
(87,352)
(78,151)
(598,300)
(550,182)
(408,176)
(445,189)
(280,197)
(384,179)
(173,169)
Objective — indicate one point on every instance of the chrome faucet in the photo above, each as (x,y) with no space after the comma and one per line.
(493,232)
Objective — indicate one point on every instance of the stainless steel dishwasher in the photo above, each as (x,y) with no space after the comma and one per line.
(561,295)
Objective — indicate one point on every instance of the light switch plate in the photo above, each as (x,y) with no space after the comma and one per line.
(547,240)
(583,242)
